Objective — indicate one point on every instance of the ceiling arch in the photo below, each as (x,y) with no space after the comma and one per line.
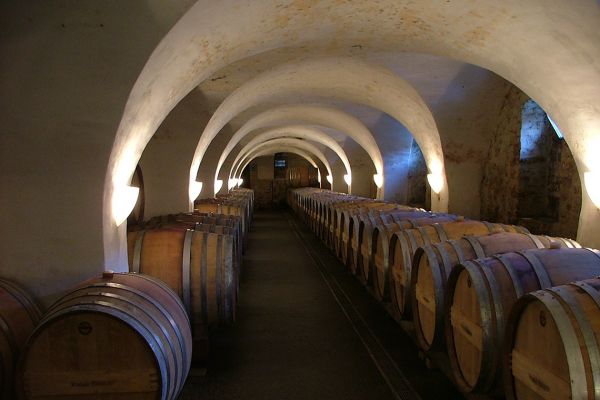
(556,64)
(282,149)
(309,114)
(339,78)
(295,131)
(290,142)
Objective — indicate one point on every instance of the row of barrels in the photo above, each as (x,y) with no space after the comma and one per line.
(132,335)
(517,314)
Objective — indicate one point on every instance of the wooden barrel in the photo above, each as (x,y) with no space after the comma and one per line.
(197,265)
(19,315)
(401,220)
(380,247)
(482,292)
(432,266)
(122,336)
(405,243)
(553,342)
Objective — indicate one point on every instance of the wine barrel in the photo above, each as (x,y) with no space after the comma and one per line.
(482,292)
(433,264)
(552,346)
(19,315)
(405,243)
(197,265)
(380,247)
(122,336)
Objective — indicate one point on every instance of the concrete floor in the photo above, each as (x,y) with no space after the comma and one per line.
(307,329)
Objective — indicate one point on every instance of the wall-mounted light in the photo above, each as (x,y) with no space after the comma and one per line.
(240,181)
(194,190)
(436,181)
(319,176)
(348,179)
(592,185)
(330,179)
(123,201)
(218,185)
(378,178)
(231,183)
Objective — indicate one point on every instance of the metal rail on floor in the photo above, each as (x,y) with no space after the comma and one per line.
(385,364)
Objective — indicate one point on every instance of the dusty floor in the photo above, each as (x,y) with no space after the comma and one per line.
(307,329)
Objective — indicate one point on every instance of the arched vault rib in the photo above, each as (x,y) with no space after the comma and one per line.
(295,131)
(280,149)
(290,142)
(551,63)
(343,79)
(314,115)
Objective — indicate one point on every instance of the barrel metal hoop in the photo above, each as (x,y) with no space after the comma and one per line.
(10,337)
(219,275)
(447,264)
(536,241)
(538,268)
(477,274)
(586,330)
(72,295)
(121,314)
(511,272)
(441,232)
(167,289)
(137,252)
(458,250)
(186,272)
(490,226)
(23,298)
(136,308)
(204,279)
(571,343)
(413,247)
(424,236)
(479,252)
(595,252)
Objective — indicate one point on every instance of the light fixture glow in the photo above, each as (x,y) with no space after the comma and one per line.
(348,179)
(592,185)
(240,181)
(330,179)
(194,190)
(218,185)
(436,181)
(231,183)
(123,201)
(319,176)
(378,178)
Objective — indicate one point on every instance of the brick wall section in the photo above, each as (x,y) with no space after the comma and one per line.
(500,183)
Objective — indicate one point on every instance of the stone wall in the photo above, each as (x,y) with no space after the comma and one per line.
(500,180)
(530,176)
(417,188)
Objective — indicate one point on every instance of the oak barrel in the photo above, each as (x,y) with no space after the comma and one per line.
(122,336)
(380,247)
(197,265)
(405,243)
(482,292)
(553,341)
(19,315)
(432,266)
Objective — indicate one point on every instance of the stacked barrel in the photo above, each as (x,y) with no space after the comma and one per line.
(509,312)
(131,335)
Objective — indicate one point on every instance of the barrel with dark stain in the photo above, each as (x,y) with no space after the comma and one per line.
(405,243)
(553,344)
(482,292)
(19,315)
(119,337)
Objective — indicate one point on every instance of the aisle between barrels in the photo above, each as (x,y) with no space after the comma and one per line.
(307,329)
